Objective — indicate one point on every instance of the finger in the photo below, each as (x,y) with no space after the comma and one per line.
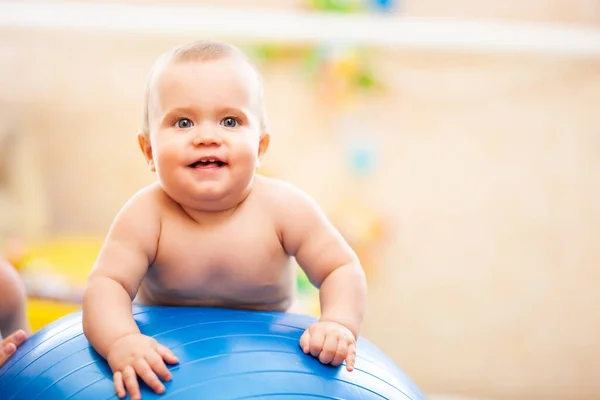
(329,348)
(317,339)
(119,387)
(157,364)
(17,337)
(8,349)
(144,371)
(167,354)
(351,357)
(131,383)
(305,341)
(341,353)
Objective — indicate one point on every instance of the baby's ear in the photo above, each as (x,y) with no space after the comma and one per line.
(263,145)
(146,147)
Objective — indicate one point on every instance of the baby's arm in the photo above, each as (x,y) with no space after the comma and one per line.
(330,264)
(108,323)
(114,280)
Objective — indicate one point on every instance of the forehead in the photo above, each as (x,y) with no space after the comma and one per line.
(226,82)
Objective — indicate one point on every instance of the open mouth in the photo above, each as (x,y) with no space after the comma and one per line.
(208,163)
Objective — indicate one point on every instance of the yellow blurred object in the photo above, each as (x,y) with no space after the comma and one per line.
(69,260)
(41,312)
(71,257)
(346,67)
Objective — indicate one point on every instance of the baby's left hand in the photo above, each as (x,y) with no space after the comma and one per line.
(331,342)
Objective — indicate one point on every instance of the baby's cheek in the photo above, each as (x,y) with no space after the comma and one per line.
(245,149)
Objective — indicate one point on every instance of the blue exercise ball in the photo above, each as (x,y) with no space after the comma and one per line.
(223,354)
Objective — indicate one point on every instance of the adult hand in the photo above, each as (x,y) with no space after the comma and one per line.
(9,345)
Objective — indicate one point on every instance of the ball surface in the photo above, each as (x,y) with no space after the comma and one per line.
(223,354)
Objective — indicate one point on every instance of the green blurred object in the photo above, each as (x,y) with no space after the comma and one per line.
(266,52)
(274,52)
(366,80)
(303,283)
(314,60)
(341,6)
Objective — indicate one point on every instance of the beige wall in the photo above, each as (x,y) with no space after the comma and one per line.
(491,286)
(555,11)
(489,171)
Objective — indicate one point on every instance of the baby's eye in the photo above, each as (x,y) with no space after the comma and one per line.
(184,123)
(229,122)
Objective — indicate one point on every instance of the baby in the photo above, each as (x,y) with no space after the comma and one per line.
(211,231)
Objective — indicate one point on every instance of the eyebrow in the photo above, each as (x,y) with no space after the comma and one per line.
(165,117)
(176,110)
(233,110)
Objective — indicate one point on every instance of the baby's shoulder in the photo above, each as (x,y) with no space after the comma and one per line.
(281,196)
(275,191)
(149,200)
(140,215)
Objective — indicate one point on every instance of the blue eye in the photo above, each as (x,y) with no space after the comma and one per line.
(184,123)
(229,122)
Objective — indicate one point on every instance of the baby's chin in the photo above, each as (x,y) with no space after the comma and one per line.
(211,199)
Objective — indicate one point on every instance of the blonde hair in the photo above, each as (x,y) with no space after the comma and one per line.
(200,50)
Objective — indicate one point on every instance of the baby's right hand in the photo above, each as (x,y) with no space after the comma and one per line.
(139,355)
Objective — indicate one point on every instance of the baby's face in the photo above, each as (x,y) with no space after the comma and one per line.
(205,130)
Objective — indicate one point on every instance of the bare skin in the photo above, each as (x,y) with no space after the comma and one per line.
(14,326)
(9,345)
(13,308)
(257,275)
(214,233)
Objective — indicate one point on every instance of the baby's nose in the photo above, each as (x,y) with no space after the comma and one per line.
(206,136)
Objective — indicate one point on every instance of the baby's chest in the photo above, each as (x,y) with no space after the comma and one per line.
(212,257)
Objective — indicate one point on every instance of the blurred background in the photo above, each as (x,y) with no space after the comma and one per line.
(456,145)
